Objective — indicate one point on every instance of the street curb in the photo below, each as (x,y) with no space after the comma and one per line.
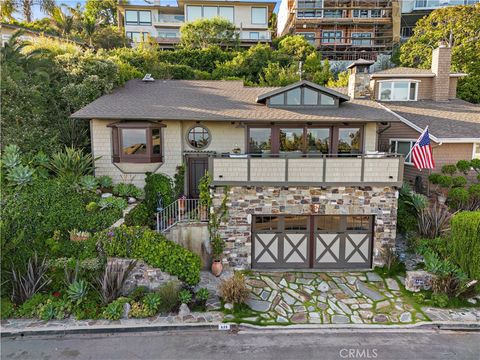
(117,329)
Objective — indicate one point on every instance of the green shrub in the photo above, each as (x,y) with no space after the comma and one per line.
(156,184)
(113,202)
(406,220)
(138,293)
(184,296)
(169,296)
(463,166)
(449,169)
(465,234)
(139,216)
(127,190)
(6,308)
(154,249)
(457,198)
(202,294)
(114,310)
(91,206)
(29,308)
(459,182)
(151,303)
(54,308)
(31,216)
(440,300)
(89,308)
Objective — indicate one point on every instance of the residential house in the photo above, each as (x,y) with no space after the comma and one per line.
(414,10)
(306,184)
(162,21)
(343,29)
(420,98)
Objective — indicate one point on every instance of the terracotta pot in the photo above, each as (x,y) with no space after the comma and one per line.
(217,267)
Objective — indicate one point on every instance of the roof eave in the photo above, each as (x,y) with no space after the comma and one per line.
(401,75)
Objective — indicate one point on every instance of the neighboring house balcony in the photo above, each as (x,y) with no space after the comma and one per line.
(313,170)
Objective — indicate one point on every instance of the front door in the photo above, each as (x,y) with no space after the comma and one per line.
(318,241)
(197,167)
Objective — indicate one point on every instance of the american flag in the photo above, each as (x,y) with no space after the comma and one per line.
(422,155)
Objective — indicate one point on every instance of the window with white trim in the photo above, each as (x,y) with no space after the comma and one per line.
(398,90)
(254,35)
(476,151)
(403,147)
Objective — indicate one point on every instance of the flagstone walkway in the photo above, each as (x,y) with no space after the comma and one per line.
(327,298)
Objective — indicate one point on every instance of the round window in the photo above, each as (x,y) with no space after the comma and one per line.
(198,137)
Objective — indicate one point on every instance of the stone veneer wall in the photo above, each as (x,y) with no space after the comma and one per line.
(342,200)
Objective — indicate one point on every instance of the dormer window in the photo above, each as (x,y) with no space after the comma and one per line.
(303,94)
(398,90)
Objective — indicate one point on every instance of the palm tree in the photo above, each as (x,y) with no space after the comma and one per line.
(89,27)
(61,21)
(7,9)
(25,7)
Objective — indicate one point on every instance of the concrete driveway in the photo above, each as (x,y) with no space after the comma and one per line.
(251,344)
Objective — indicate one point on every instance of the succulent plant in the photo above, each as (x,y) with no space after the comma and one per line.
(152,303)
(202,294)
(77,291)
(20,175)
(11,156)
(88,183)
(185,296)
(105,181)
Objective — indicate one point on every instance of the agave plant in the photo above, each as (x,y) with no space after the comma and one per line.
(111,281)
(152,303)
(417,201)
(77,291)
(35,278)
(11,156)
(88,183)
(71,163)
(20,175)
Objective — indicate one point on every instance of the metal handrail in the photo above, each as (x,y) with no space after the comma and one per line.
(181,211)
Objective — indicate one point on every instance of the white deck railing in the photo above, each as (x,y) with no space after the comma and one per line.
(181,211)
(361,169)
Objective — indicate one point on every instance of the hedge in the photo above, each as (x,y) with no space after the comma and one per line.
(158,184)
(466,242)
(153,248)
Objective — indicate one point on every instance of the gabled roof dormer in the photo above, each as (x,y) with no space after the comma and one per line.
(304,94)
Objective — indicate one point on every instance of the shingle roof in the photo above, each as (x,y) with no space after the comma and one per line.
(216,101)
(451,119)
(404,71)
(342,96)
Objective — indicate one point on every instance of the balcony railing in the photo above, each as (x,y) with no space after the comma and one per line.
(361,169)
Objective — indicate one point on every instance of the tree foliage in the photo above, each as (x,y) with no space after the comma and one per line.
(458,26)
(201,34)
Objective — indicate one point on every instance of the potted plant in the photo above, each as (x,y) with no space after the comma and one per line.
(217,251)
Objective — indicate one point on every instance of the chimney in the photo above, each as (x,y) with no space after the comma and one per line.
(359,79)
(441,61)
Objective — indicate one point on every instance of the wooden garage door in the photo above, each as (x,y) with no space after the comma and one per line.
(281,242)
(343,242)
(322,242)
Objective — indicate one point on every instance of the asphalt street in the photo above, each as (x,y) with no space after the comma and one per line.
(250,344)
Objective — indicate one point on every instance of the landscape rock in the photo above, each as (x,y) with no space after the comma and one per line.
(184,310)
(106,195)
(228,306)
(418,280)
